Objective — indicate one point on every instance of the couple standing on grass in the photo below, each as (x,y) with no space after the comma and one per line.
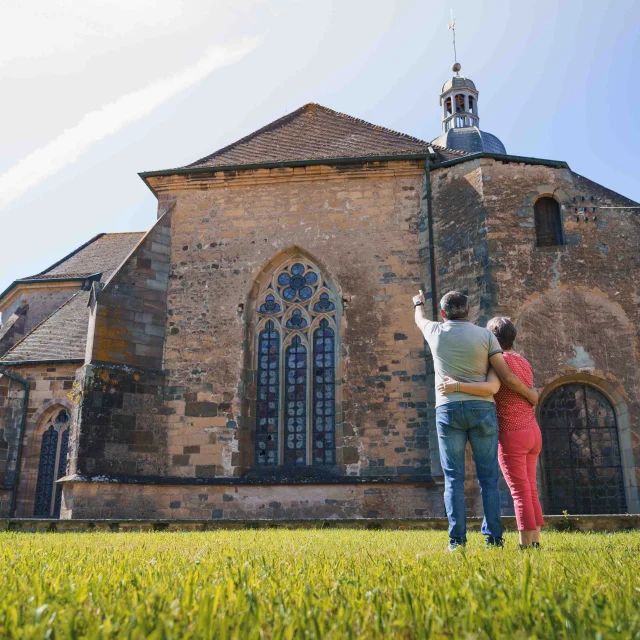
(470,364)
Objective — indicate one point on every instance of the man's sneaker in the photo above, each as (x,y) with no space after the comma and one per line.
(454,546)
(494,543)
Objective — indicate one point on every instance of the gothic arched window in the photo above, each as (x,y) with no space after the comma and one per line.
(296,368)
(52,466)
(548,223)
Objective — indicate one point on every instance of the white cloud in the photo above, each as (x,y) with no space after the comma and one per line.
(96,125)
(37,29)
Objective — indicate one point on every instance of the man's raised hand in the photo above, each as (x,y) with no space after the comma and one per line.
(419,298)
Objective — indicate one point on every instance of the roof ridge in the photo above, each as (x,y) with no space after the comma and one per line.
(26,335)
(122,233)
(70,255)
(378,127)
(287,118)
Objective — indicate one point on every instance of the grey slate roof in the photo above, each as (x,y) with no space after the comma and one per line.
(458,82)
(102,254)
(470,140)
(61,336)
(314,132)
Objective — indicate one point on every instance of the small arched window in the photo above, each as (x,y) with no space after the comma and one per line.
(296,369)
(471,105)
(460,103)
(548,223)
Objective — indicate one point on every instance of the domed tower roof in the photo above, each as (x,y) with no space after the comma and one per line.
(460,119)
(459,82)
(471,140)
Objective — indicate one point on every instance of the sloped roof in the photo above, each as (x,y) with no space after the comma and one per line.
(314,132)
(61,336)
(102,254)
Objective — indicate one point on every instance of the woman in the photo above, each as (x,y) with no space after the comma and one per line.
(519,439)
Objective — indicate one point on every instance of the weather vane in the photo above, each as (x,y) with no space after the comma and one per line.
(452,27)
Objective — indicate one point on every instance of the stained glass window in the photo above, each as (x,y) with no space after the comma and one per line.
(62,470)
(46,473)
(52,466)
(269,305)
(324,304)
(268,396)
(324,394)
(296,320)
(295,446)
(296,415)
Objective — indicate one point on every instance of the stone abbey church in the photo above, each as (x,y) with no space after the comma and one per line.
(253,354)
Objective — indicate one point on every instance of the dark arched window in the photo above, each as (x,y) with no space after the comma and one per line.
(548,223)
(52,466)
(296,368)
(581,452)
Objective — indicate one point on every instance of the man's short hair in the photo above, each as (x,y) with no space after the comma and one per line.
(503,329)
(455,305)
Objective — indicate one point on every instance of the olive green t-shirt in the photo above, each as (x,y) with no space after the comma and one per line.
(461,350)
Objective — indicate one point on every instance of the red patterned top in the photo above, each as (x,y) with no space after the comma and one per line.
(514,412)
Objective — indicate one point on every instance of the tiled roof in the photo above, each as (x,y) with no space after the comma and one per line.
(314,132)
(61,336)
(102,254)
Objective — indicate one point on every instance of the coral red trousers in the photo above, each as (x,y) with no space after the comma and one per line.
(518,453)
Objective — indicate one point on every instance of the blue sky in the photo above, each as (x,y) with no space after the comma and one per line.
(95,92)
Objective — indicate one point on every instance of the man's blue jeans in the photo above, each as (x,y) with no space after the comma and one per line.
(474,421)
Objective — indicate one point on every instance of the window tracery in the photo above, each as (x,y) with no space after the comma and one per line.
(295,412)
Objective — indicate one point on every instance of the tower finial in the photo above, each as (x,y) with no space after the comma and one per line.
(452,26)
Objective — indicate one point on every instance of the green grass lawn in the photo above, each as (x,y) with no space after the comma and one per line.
(316,584)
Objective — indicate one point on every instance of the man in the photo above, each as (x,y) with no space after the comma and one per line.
(464,352)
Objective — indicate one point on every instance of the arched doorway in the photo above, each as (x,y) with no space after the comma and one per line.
(52,465)
(581,452)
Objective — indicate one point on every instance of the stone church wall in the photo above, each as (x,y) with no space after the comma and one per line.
(360,226)
(251,502)
(119,425)
(365,227)
(574,305)
(50,386)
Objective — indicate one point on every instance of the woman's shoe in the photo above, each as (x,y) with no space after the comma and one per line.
(535,545)
(524,547)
